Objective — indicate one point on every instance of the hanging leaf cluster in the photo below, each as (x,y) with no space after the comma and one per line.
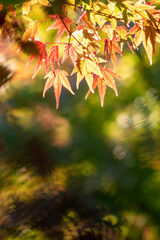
(83,29)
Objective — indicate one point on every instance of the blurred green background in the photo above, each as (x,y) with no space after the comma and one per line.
(82,171)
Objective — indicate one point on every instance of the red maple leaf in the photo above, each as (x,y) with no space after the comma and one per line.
(62,23)
(42,57)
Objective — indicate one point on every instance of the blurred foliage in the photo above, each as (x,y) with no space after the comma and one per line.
(8,2)
(82,172)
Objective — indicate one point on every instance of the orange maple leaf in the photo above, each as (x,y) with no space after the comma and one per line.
(113,47)
(57,79)
(108,75)
(98,81)
(104,81)
(62,23)
(149,41)
(53,55)
(69,50)
(147,35)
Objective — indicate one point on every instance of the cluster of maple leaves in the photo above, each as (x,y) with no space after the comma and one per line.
(95,25)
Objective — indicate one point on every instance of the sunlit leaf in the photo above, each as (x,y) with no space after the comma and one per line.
(54,55)
(70,51)
(57,79)
(62,23)
(44,2)
(109,80)
(30,31)
(26,7)
(109,30)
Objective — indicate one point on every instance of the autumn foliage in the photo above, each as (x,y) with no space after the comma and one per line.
(91,33)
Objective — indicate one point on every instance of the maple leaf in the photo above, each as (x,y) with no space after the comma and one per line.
(92,37)
(109,30)
(113,47)
(31,29)
(122,31)
(147,35)
(53,55)
(86,68)
(62,23)
(138,32)
(96,16)
(104,81)
(57,79)
(134,29)
(86,38)
(149,41)
(26,7)
(98,81)
(70,50)
(146,30)
(139,36)
(42,57)
(108,75)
